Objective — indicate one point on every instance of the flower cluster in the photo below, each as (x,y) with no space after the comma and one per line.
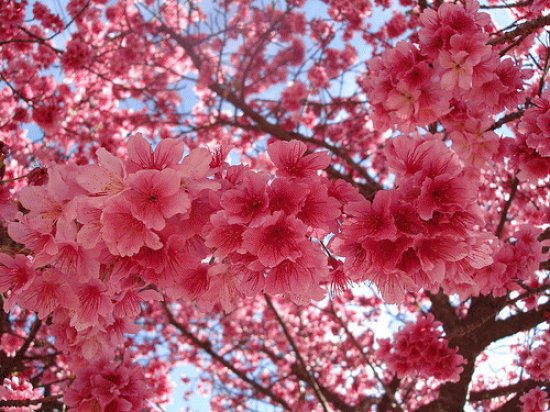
(538,363)
(104,386)
(400,88)
(107,236)
(536,400)
(512,262)
(422,234)
(530,151)
(419,350)
(452,75)
(18,388)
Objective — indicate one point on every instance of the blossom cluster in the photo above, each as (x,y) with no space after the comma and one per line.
(512,262)
(419,350)
(423,234)
(538,362)
(17,388)
(536,400)
(530,154)
(451,75)
(106,386)
(106,236)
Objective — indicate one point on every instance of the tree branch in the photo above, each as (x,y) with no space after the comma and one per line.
(313,383)
(443,311)
(208,349)
(388,388)
(512,325)
(518,387)
(28,402)
(522,29)
(506,208)
(11,363)
(267,127)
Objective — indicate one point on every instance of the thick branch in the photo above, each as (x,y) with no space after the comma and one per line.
(220,359)
(443,311)
(28,402)
(522,29)
(518,387)
(513,404)
(512,325)
(505,119)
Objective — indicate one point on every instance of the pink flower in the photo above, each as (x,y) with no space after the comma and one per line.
(248,201)
(15,272)
(182,253)
(420,350)
(154,196)
(319,209)
(225,238)
(168,153)
(291,161)
(458,70)
(372,219)
(88,213)
(104,179)
(18,388)
(48,292)
(190,283)
(35,239)
(10,344)
(536,400)
(444,194)
(538,364)
(404,101)
(434,252)
(45,209)
(280,237)
(287,195)
(194,171)
(292,96)
(122,232)
(296,277)
(71,257)
(94,303)
(108,386)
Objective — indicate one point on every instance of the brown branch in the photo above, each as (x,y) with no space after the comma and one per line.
(505,119)
(518,387)
(508,6)
(207,347)
(388,388)
(15,91)
(267,127)
(443,311)
(331,171)
(513,324)
(506,208)
(513,404)
(28,402)
(544,71)
(15,361)
(522,29)
(313,383)
(40,40)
